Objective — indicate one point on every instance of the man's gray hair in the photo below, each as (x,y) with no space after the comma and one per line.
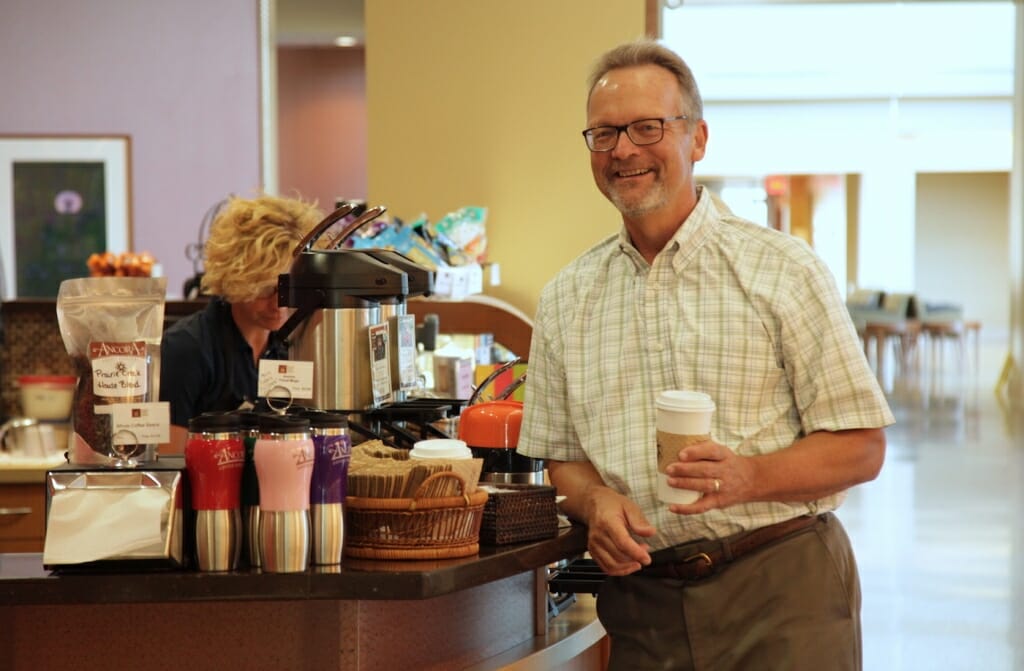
(649,52)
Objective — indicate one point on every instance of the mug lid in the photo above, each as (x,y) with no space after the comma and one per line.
(214,422)
(321,419)
(48,380)
(283,424)
(685,401)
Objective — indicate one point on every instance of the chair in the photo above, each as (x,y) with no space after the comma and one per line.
(883,320)
(956,333)
(901,334)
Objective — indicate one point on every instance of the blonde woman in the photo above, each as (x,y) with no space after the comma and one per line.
(209,360)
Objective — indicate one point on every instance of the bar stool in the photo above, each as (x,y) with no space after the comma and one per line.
(938,334)
(901,334)
(974,327)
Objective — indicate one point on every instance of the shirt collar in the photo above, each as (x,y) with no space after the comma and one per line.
(687,238)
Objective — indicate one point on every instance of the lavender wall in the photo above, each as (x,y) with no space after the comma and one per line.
(181,78)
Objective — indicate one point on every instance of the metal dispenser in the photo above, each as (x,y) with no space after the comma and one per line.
(339,294)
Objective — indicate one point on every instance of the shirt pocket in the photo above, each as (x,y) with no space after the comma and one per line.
(744,377)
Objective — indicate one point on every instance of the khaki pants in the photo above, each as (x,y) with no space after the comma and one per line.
(793,605)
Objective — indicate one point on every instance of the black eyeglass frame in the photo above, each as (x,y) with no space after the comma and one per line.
(588,134)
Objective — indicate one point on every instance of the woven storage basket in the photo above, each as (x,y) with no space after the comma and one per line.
(417,528)
(519,513)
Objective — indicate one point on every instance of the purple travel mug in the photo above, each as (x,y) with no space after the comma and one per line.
(332,449)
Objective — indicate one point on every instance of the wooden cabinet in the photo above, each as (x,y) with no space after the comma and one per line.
(22,517)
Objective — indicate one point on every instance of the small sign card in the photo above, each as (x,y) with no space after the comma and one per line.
(380,363)
(278,376)
(138,423)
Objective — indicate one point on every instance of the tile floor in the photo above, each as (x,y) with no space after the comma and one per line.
(939,535)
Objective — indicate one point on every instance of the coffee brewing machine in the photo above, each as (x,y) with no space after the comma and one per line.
(342,299)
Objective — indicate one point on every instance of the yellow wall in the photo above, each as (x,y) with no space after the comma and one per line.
(480,102)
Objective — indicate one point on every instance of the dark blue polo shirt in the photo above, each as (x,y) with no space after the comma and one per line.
(206,364)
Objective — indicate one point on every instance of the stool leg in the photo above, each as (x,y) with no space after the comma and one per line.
(880,357)
(977,350)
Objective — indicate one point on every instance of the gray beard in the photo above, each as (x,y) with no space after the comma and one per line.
(646,204)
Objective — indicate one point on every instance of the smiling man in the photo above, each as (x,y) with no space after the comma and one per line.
(757,573)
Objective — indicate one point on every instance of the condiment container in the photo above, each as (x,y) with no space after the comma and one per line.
(47,397)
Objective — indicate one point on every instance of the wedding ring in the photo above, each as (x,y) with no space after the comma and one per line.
(718,485)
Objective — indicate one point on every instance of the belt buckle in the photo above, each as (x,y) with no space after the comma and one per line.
(700,572)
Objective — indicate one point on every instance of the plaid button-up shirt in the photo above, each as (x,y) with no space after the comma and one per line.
(736,310)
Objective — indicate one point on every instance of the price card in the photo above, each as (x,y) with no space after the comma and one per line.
(405,357)
(279,376)
(138,423)
(380,363)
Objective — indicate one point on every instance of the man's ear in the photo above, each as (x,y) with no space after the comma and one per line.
(700,141)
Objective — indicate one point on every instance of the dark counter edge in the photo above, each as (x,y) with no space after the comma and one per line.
(356,579)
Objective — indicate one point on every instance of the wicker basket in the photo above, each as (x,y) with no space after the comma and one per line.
(519,513)
(417,528)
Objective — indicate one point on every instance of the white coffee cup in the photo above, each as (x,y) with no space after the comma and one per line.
(683,418)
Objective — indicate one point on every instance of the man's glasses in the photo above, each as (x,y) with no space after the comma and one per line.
(644,131)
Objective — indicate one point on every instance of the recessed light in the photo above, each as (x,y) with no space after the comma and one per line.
(345,41)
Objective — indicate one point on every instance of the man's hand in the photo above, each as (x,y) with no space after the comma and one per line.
(612,521)
(719,474)
(817,465)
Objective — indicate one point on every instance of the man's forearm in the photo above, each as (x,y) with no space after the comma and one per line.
(574,480)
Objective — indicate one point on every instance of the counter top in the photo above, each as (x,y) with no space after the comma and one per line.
(23,581)
(16,470)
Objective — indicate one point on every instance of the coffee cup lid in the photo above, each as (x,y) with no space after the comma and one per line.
(684,401)
(440,448)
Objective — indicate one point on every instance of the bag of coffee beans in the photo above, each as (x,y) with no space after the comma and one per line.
(111,328)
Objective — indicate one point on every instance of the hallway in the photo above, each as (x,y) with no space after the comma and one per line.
(939,535)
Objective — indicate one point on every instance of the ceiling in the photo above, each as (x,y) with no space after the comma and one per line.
(318,22)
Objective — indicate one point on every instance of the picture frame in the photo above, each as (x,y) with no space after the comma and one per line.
(62,198)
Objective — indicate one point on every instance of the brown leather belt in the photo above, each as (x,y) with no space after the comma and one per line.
(702,559)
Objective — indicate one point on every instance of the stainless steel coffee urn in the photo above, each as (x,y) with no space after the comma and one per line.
(339,294)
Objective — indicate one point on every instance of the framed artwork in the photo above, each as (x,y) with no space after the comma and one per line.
(61,199)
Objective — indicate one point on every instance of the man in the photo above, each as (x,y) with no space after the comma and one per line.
(757,573)
(210,360)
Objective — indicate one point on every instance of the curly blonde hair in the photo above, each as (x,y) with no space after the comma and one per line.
(251,243)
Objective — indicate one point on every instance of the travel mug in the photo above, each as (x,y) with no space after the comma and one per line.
(250,430)
(213,461)
(332,449)
(284,467)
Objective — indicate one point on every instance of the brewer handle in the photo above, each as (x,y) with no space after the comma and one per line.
(363,219)
(489,379)
(511,389)
(315,299)
(307,242)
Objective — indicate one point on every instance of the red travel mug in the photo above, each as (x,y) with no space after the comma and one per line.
(214,457)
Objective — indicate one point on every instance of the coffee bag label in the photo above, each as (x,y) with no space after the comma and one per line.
(119,369)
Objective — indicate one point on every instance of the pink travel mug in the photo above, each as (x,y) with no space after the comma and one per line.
(284,467)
